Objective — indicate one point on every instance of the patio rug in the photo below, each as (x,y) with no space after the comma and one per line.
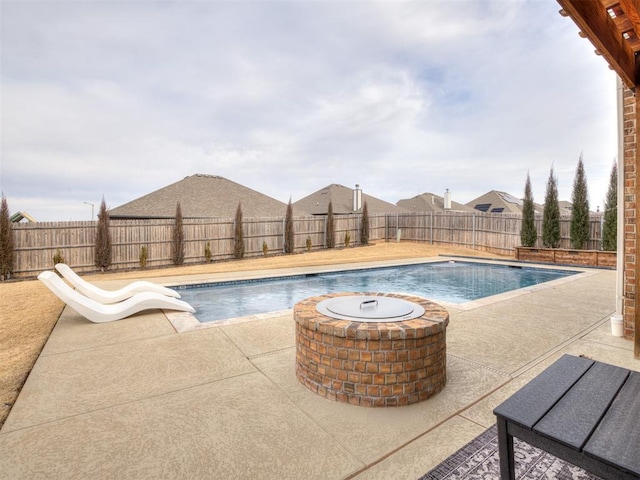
(479,460)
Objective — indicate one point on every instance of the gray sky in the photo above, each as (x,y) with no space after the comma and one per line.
(118,99)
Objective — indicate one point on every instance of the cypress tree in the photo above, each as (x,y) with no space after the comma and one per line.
(580,210)
(331,228)
(364,225)
(610,227)
(6,241)
(289,234)
(238,236)
(528,233)
(103,252)
(551,214)
(177,244)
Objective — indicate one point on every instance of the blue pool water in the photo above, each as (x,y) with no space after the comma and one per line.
(454,282)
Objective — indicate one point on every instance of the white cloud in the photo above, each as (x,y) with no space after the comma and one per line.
(119,99)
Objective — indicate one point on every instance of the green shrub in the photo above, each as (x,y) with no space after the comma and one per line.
(58,257)
(289,234)
(238,237)
(364,225)
(610,227)
(103,239)
(309,244)
(143,256)
(207,252)
(7,255)
(347,239)
(551,214)
(331,228)
(580,210)
(265,248)
(177,244)
(528,233)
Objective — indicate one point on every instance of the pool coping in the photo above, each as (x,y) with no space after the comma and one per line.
(186,322)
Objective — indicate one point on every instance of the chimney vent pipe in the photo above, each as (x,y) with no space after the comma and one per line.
(357,198)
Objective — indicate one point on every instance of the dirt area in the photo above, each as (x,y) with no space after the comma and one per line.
(30,311)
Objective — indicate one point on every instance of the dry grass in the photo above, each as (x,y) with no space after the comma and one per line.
(30,311)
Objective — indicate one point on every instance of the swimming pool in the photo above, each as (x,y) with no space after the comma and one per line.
(448,281)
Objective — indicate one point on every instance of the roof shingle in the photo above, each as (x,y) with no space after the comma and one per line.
(202,196)
(429,202)
(342,201)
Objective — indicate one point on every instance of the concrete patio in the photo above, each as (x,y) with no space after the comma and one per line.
(136,399)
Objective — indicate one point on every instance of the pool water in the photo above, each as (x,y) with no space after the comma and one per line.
(453,282)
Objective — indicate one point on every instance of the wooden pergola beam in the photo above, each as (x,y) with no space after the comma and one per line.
(631,9)
(593,19)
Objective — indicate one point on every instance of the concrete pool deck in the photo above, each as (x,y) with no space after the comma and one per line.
(136,399)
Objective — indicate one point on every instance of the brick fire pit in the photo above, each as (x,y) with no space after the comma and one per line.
(373,362)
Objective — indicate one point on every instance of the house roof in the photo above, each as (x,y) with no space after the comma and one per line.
(565,207)
(342,201)
(495,201)
(429,202)
(202,196)
(19,216)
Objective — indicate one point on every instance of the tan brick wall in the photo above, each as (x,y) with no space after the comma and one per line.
(630,209)
(371,364)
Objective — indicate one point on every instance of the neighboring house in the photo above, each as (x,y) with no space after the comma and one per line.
(565,207)
(499,202)
(202,196)
(344,200)
(20,216)
(496,202)
(429,202)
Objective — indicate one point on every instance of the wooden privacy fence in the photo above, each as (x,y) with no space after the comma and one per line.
(496,232)
(36,244)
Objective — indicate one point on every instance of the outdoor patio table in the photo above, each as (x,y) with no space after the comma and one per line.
(580,410)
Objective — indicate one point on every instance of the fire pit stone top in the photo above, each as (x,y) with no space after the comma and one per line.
(434,319)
